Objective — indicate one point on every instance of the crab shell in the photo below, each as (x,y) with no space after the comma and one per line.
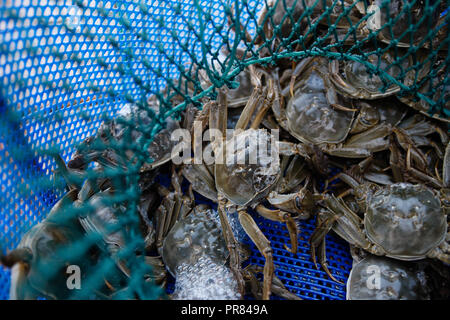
(442,92)
(412,16)
(309,116)
(381,278)
(46,242)
(195,236)
(102,218)
(368,85)
(247,173)
(295,8)
(405,220)
(355,80)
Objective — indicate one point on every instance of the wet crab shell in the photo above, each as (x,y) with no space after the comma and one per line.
(396,281)
(357,74)
(161,146)
(198,235)
(47,241)
(295,9)
(359,80)
(369,85)
(442,93)
(389,110)
(397,17)
(309,115)
(406,220)
(247,173)
(354,79)
(100,219)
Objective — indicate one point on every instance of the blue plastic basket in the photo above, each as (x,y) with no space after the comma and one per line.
(48,73)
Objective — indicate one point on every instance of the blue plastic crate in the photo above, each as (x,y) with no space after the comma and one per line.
(53,86)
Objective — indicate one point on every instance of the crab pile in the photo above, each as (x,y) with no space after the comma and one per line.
(390,199)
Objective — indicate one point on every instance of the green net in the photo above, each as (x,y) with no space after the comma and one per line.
(373,49)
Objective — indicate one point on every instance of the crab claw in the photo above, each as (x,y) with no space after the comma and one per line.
(282,216)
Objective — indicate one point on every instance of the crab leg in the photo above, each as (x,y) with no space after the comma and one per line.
(232,244)
(278,102)
(446,167)
(178,197)
(295,174)
(256,98)
(280,290)
(281,216)
(20,289)
(267,103)
(296,72)
(201,117)
(418,174)
(395,159)
(422,176)
(412,151)
(323,261)
(218,121)
(278,287)
(166,214)
(439,253)
(345,152)
(318,236)
(253,281)
(161,216)
(318,239)
(201,180)
(170,213)
(408,144)
(332,96)
(263,245)
(341,108)
(347,226)
(289,149)
(20,255)
(300,203)
(362,145)
(73,177)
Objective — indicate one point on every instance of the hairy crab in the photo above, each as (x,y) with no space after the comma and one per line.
(403,221)
(130,124)
(191,233)
(441,97)
(40,245)
(195,235)
(406,22)
(247,184)
(381,278)
(353,79)
(422,155)
(45,246)
(316,114)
